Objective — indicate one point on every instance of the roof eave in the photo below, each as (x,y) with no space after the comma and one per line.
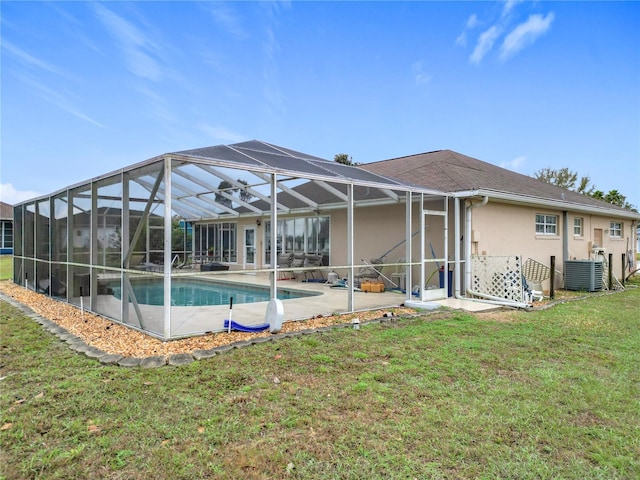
(546,202)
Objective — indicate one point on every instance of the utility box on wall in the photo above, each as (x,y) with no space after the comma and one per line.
(583,275)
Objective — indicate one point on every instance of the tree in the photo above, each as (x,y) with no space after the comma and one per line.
(226,187)
(565,178)
(614,197)
(179,235)
(344,159)
(245,195)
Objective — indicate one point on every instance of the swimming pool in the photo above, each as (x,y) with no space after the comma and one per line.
(187,292)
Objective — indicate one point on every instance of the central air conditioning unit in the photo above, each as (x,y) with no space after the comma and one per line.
(583,275)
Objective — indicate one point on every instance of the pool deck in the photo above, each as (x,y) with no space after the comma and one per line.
(187,321)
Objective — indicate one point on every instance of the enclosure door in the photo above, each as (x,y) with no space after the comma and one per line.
(249,249)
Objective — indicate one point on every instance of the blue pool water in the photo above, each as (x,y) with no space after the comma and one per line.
(197,293)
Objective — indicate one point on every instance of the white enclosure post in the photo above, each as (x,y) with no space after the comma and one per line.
(93,248)
(124,248)
(274,236)
(407,247)
(446,248)
(350,301)
(456,247)
(167,247)
(422,247)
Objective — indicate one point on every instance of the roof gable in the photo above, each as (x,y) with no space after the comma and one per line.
(6,211)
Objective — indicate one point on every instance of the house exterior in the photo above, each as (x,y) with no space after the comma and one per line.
(6,229)
(514,214)
(250,203)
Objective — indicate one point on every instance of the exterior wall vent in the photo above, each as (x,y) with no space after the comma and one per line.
(583,275)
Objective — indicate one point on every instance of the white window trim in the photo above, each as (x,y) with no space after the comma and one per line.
(619,227)
(580,226)
(545,225)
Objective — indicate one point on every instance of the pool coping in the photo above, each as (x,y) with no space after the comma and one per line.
(78,345)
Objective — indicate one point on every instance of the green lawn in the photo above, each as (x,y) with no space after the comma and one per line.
(6,267)
(547,394)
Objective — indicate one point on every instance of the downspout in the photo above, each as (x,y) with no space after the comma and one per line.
(467,263)
(467,238)
(565,236)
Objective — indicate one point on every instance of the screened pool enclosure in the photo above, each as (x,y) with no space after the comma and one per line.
(153,245)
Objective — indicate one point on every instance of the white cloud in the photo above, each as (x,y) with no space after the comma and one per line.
(139,49)
(9,194)
(59,100)
(472,21)
(508,6)
(30,60)
(419,75)
(227,19)
(516,164)
(525,34)
(274,96)
(222,134)
(485,44)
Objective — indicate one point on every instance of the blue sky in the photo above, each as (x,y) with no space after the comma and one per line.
(90,87)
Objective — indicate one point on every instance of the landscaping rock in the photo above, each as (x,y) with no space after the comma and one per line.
(129,362)
(261,340)
(68,337)
(79,346)
(153,362)
(180,359)
(200,354)
(223,348)
(94,352)
(111,359)
(308,331)
(55,329)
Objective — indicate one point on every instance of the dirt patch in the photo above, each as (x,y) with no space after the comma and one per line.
(115,338)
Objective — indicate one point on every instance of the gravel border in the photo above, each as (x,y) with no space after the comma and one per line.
(178,359)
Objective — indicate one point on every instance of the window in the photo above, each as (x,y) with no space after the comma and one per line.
(217,241)
(301,234)
(615,230)
(6,237)
(577,226)
(546,224)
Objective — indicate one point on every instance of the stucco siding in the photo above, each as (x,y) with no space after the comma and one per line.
(505,229)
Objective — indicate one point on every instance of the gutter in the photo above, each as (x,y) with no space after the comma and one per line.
(547,202)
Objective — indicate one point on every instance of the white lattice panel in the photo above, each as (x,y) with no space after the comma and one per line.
(498,276)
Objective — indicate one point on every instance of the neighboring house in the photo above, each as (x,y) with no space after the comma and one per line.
(522,215)
(6,229)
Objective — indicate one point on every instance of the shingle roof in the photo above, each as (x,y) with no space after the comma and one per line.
(450,171)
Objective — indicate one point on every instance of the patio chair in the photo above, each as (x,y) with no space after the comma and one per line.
(188,264)
(535,273)
(297,261)
(370,271)
(399,276)
(284,263)
(313,261)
